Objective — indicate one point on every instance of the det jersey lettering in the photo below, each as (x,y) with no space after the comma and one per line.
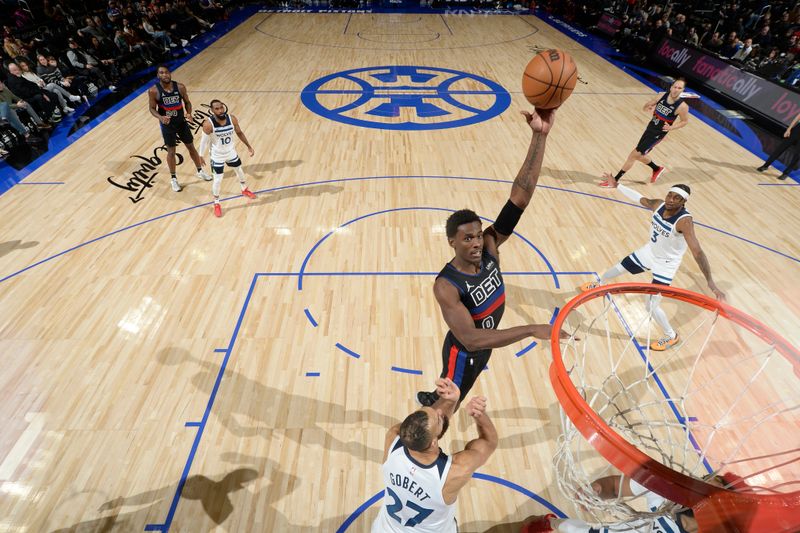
(480,293)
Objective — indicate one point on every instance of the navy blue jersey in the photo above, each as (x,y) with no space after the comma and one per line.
(664,113)
(170,103)
(483,294)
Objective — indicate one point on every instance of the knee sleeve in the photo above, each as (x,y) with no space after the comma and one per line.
(653,302)
(508,218)
(239,173)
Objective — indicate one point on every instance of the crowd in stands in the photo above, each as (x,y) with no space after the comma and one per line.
(59,54)
(761,36)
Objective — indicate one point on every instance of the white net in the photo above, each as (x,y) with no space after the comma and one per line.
(721,400)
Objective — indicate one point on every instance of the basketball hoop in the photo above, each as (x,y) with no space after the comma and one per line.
(724,400)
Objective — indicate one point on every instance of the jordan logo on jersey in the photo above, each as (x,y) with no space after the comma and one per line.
(480,293)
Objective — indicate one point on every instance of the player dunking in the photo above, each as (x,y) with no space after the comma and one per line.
(422,482)
(672,230)
(666,108)
(470,289)
(218,131)
(169,103)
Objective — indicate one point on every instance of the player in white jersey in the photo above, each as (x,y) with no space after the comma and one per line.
(671,233)
(421,481)
(609,488)
(218,131)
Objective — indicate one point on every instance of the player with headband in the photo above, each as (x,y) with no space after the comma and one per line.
(671,233)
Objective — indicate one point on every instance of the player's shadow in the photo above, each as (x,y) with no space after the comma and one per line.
(213,494)
(269,197)
(258,170)
(577,176)
(9,246)
(749,169)
(272,404)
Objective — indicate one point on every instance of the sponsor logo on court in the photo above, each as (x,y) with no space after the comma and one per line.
(404,97)
(142,177)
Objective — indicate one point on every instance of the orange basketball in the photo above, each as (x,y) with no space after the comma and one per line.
(549,79)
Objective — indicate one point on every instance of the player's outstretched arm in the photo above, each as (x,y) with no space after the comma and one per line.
(449,395)
(686,226)
(540,121)
(650,203)
(476,452)
(463,327)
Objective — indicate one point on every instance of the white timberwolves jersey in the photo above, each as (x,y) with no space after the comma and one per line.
(222,145)
(412,499)
(667,243)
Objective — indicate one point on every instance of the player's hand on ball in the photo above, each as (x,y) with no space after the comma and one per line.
(541,120)
(447,390)
(476,407)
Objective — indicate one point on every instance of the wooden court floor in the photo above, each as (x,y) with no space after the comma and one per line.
(254,362)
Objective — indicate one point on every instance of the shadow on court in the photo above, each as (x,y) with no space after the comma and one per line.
(214,494)
(9,246)
(267,409)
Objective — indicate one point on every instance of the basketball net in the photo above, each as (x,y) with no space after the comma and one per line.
(724,400)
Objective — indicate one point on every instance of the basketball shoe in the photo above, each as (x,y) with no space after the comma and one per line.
(426,399)
(664,343)
(540,524)
(657,174)
(217,210)
(247,192)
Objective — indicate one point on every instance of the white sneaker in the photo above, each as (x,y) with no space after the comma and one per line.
(112,88)
(184,42)
(175,185)
(204,175)
(74,98)
(67,110)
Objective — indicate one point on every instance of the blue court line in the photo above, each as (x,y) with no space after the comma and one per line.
(526,349)
(420,208)
(406,370)
(312,374)
(446,24)
(415,91)
(192,424)
(61,139)
(681,419)
(477,475)
(40,183)
(366,178)
(221,350)
(348,351)
(408,273)
(557,309)
(202,425)
(310,318)
(779,184)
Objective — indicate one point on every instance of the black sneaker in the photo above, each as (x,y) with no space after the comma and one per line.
(762,168)
(426,399)
(783,176)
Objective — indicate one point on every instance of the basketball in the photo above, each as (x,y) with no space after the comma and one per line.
(549,79)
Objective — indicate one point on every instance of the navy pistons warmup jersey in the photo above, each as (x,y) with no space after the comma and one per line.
(170,103)
(664,113)
(484,296)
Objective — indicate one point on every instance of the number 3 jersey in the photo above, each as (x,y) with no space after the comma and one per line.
(666,242)
(412,500)
(483,294)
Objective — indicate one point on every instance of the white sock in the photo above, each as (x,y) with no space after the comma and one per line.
(240,174)
(654,306)
(612,273)
(215,185)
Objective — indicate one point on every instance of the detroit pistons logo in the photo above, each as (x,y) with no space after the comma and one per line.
(406,98)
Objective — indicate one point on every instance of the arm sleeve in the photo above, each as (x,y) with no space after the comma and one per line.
(205,140)
(630,193)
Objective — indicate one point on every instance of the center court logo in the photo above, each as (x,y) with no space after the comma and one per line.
(406,98)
